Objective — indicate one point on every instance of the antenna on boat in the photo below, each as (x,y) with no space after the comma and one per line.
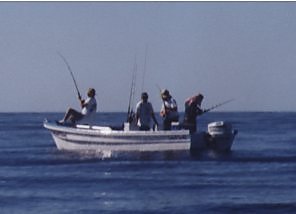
(218,105)
(72,75)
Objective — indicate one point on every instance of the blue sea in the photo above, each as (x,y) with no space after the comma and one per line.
(257,176)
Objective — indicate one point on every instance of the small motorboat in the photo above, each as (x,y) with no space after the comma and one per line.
(103,138)
(220,136)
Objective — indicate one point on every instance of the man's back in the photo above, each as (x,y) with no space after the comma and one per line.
(144,112)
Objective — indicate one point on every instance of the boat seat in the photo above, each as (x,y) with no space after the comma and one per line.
(101,128)
(82,126)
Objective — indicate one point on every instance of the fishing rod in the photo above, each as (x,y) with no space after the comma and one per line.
(144,73)
(218,105)
(72,75)
(132,93)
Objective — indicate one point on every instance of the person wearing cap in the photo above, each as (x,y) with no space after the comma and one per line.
(88,110)
(192,110)
(169,110)
(144,113)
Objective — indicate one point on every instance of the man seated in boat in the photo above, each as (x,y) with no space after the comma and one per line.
(88,110)
(144,113)
(169,110)
(192,110)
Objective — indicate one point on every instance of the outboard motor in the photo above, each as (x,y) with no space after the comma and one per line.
(221,135)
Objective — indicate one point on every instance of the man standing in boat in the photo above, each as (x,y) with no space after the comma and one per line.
(169,110)
(144,113)
(192,110)
(88,110)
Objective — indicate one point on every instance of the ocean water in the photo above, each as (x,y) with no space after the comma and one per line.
(257,176)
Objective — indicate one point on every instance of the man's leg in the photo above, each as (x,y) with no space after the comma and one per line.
(72,115)
(167,124)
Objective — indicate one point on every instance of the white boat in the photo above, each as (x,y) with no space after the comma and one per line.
(100,138)
(104,139)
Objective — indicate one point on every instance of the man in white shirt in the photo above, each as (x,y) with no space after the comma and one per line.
(144,113)
(89,108)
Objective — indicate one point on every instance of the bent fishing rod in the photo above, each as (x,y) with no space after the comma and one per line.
(72,75)
(216,106)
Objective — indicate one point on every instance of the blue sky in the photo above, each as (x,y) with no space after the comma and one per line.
(240,50)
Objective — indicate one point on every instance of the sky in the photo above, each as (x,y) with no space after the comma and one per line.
(225,50)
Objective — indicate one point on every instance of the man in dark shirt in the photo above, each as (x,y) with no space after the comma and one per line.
(192,110)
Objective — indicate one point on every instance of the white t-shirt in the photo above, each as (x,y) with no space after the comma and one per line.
(90,106)
(89,111)
(144,112)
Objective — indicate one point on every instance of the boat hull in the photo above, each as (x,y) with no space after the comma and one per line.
(102,139)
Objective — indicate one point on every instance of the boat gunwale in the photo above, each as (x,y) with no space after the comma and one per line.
(101,132)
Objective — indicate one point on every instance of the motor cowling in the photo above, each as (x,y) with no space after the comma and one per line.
(220,128)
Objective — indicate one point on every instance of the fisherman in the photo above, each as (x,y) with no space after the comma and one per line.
(169,110)
(192,110)
(144,113)
(88,110)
